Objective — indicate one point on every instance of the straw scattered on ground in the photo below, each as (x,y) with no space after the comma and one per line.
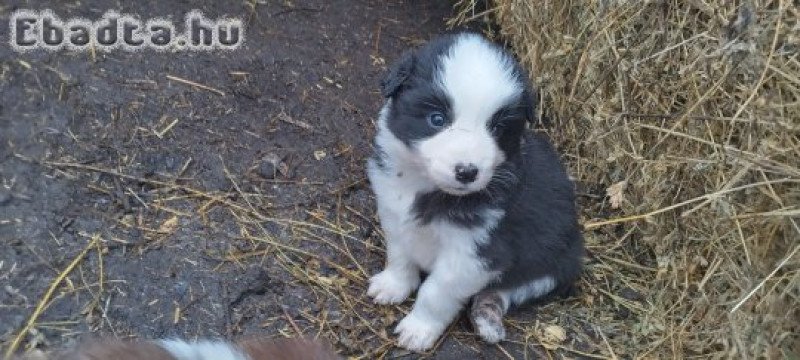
(680,121)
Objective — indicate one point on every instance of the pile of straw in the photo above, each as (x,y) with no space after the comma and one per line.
(680,121)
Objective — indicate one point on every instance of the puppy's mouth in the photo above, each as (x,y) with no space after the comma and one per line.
(458,190)
(452,187)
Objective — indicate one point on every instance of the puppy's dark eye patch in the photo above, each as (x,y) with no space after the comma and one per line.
(497,128)
(411,118)
(432,109)
(504,117)
(433,102)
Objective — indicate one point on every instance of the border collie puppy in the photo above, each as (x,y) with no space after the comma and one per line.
(465,194)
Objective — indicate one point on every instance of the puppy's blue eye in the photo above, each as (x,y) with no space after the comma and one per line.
(436,119)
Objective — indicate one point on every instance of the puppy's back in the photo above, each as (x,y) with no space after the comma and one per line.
(540,235)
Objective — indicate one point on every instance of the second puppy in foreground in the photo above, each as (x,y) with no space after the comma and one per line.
(249,349)
(464,194)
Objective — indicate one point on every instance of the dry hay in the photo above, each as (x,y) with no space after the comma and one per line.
(685,117)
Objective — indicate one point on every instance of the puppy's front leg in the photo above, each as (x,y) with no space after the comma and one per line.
(454,279)
(401,275)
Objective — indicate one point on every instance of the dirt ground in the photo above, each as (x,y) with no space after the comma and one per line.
(166,198)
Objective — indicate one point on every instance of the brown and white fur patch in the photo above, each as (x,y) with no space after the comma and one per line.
(249,349)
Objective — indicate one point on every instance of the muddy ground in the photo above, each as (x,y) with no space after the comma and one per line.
(166,195)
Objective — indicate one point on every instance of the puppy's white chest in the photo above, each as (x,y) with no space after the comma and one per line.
(395,192)
(398,193)
(424,248)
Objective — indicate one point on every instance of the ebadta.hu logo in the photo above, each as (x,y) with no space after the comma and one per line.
(31,30)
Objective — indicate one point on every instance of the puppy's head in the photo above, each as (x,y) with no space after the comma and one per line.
(459,104)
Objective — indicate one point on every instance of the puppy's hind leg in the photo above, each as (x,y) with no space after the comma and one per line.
(486,315)
(489,306)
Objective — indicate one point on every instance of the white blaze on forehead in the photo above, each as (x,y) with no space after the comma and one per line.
(479,80)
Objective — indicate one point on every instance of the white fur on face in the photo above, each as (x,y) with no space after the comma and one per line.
(202,350)
(479,81)
(460,145)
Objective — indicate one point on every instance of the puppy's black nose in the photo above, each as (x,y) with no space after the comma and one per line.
(466,174)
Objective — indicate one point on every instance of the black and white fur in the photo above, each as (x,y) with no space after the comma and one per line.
(501,232)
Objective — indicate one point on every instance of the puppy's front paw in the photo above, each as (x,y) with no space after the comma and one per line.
(391,287)
(418,334)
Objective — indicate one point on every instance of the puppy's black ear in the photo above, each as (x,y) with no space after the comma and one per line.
(397,75)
